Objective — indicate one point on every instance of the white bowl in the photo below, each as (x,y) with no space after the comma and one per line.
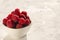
(17,33)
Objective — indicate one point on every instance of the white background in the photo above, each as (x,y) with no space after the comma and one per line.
(45,16)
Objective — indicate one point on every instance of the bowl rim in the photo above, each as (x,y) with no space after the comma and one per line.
(18,28)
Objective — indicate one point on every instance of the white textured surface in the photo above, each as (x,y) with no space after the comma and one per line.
(45,16)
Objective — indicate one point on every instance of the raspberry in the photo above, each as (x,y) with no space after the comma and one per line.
(18,26)
(9,16)
(21,21)
(27,22)
(10,24)
(4,21)
(17,12)
(22,15)
(30,20)
(15,18)
(15,23)
(24,12)
(27,17)
(13,12)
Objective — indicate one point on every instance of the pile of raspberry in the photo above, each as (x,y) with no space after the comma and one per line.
(17,19)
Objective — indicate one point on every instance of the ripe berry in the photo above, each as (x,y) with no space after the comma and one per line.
(24,12)
(4,21)
(10,24)
(13,12)
(9,16)
(17,12)
(21,21)
(23,16)
(27,22)
(27,17)
(18,26)
(15,18)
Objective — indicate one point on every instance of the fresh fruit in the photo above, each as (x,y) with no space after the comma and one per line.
(4,21)
(27,21)
(27,17)
(9,16)
(24,12)
(18,26)
(22,15)
(17,12)
(17,19)
(13,12)
(21,21)
(10,24)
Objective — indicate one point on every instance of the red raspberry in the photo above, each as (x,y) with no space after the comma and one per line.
(4,21)
(30,20)
(13,12)
(22,15)
(10,24)
(17,12)
(9,16)
(21,21)
(24,12)
(15,18)
(18,26)
(27,17)
(27,22)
